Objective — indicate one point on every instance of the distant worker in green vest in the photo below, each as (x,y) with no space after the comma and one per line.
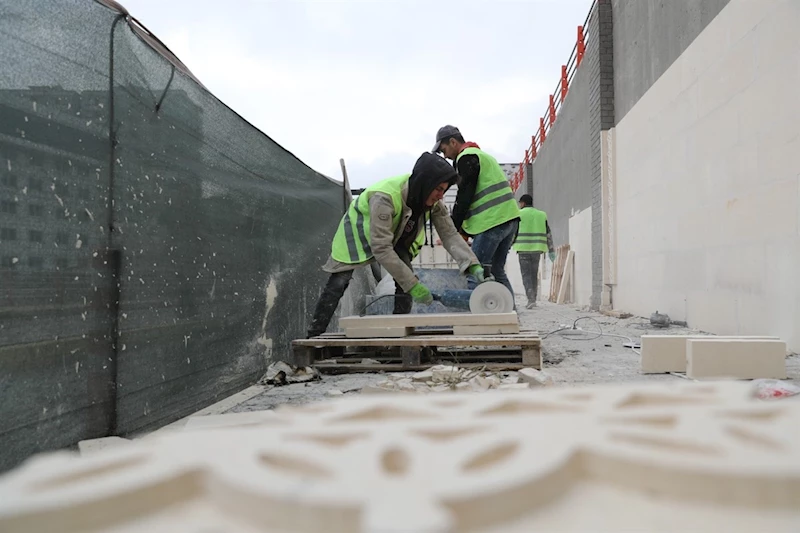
(386,224)
(485,207)
(534,239)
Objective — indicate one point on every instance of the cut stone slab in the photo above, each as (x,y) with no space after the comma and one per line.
(497,329)
(90,446)
(428,319)
(735,358)
(667,353)
(377,332)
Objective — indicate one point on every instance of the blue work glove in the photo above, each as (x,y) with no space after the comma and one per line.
(421,294)
(477,272)
(553,257)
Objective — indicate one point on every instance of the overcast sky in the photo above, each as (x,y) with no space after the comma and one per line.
(372,81)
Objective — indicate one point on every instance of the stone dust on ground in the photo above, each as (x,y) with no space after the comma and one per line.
(582,357)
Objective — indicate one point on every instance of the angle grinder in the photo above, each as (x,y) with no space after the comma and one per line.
(488,297)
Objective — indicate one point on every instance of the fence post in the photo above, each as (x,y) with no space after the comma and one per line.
(542,134)
(552,110)
(564,83)
(533,147)
(581,46)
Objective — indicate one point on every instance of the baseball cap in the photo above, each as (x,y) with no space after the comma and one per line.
(443,133)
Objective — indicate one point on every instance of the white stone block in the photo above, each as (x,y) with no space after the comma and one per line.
(735,358)
(667,353)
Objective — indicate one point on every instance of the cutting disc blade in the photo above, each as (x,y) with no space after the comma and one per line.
(491,297)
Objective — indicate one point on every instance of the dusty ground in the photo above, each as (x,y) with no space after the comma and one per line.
(568,359)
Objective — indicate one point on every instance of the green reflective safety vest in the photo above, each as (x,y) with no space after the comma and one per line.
(532,236)
(351,243)
(417,245)
(493,202)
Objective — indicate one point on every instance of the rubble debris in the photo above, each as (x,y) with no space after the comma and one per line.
(514,386)
(90,446)
(554,355)
(334,392)
(536,378)
(444,378)
(425,375)
(280,373)
(615,314)
(660,321)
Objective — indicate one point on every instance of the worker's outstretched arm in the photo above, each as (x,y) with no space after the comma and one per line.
(450,238)
(381,236)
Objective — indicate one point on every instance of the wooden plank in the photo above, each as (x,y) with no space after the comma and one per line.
(302,355)
(330,368)
(428,340)
(418,332)
(411,356)
(558,271)
(500,329)
(565,278)
(428,319)
(532,357)
(513,355)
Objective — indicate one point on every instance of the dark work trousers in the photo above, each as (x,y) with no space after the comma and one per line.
(491,248)
(334,290)
(529,267)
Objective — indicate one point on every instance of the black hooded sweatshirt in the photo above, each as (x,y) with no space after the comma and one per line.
(430,170)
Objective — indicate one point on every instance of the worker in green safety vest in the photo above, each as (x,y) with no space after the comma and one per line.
(386,223)
(534,239)
(485,207)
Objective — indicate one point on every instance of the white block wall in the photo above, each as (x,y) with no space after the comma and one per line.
(708,180)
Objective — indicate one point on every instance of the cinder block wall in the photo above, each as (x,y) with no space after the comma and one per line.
(708,172)
(565,176)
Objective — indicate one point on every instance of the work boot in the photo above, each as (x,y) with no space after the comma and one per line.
(531,305)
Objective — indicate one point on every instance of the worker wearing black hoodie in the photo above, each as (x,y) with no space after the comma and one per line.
(383,224)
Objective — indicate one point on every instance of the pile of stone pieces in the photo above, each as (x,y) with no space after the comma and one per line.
(443,378)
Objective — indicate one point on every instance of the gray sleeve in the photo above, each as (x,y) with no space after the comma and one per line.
(451,239)
(381,236)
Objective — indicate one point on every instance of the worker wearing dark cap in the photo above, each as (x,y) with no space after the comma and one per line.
(485,207)
(385,224)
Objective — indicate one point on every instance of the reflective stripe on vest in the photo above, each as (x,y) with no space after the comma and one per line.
(532,236)
(351,243)
(493,203)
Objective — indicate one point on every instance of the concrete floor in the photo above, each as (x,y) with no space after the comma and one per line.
(568,359)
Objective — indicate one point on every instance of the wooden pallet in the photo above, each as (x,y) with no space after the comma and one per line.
(419,351)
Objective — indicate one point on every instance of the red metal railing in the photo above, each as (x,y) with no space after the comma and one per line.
(556,102)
